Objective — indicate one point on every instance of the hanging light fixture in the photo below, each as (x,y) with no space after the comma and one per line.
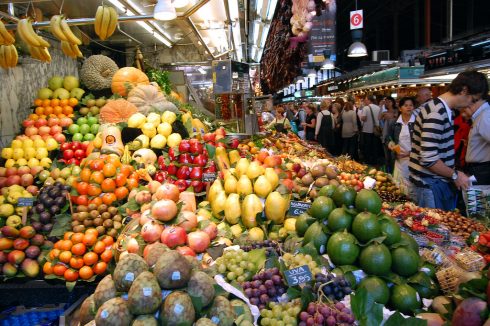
(357,49)
(180,3)
(328,64)
(164,10)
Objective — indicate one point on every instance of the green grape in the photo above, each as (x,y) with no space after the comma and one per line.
(287,256)
(222,268)
(243,264)
(274,322)
(269,313)
(291,311)
(251,266)
(240,279)
(280,323)
(263,312)
(277,311)
(312,265)
(238,271)
(231,276)
(265,321)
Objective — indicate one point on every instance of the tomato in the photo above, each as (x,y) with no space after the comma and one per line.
(86,272)
(70,275)
(82,200)
(90,258)
(132,183)
(109,198)
(97,164)
(100,267)
(126,170)
(106,256)
(97,177)
(79,249)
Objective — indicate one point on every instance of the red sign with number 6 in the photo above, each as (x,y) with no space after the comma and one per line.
(356,19)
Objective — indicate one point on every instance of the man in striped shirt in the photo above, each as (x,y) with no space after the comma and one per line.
(431,165)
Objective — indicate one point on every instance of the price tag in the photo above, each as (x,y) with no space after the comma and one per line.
(25,201)
(209,176)
(298,275)
(297,208)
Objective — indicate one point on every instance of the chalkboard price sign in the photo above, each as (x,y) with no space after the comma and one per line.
(209,176)
(298,275)
(297,208)
(25,201)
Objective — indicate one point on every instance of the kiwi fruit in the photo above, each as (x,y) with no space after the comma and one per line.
(108,223)
(79,228)
(98,221)
(113,210)
(83,216)
(100,229)
(88,222)
(102,208)
(117,225)
(117,218)
(82,208)
(112,233)
(94,214)
(105,215)
(91,207)
(75,223)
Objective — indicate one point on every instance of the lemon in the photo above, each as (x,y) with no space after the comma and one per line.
(38,143)
(26,143)
(29,153)
(51,144)
(16,143)
(21,162)
(10,163)
(236,230)
(45,162)
(174,139)
(256,234)
(41,153)
(7,153)
(6,210)
(18,153)
(33,162)
(164,129)
(149,130)
(169,117)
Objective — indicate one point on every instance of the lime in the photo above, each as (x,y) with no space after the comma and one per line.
(92,120)
(375,259)
(406,239)
(315,235)
(404,298)
(368,200)
(428,269)
(89,136)
(405,261)
(303,222)
(342,248)
(424,285)
(322,207)
(94,129)
(327,191)
(366,227)
(339,220)
(390,229)
(344,195)
(377,288)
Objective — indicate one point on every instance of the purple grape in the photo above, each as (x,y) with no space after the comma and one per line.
(325,311)
(310,321)
(302,323)
(268,274)
(304,315)
(346,311)
(269,284)
(319,318)
(272,292)
(280,291)
(264,298)
(246,285)
(311,309)
(276,279)
(256,284)
(262,289)
(275,270)
(256,293)
(331,321)
(254,301)
(248,292)
(255,278)
(339,305)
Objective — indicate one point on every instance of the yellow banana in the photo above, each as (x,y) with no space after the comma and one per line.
(15,56)
(45,54)
(66,48)
(34,50)
(3,64)
(68,33)
(76,51)
(113,22)
(106,19)
(98,19)
(55,27)
(8,56)
(5,37)
(29,35)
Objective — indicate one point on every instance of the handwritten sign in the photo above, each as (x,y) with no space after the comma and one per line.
(209,176)
(297,208)
(298,275)
(25,201)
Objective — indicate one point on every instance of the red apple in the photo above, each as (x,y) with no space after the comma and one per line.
(26,180)
(33,190)
(36,169)
(53,122)
(31,131)
(3,182)
(40,122)
(44,130)
(184,146)
(60,138)
(3,171)
(36,136)
(68,154)
(56,130)
(23,170)
(11,171)
(79,154)
(27,123)
(208,137)
(13,180)
(173,236)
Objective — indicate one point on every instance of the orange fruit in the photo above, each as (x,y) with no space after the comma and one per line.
(68,235)
(121,193)
(39,110)
(82,188)
(121,180)
(38,102)
(59,269)
(48,110)
(89,239)
(100,268)
(92,231)
(82,200)
(109,170)
(65,256)
(66,245)
(55,102)
(67,110)
(99,247)
(126,170)
(79,249)
(47,268)
(97,177)
(72,102)
(94,190)
(57,110)
(46,102)
(57,244)
(33,116)
(76,262)
(85,174)
(108,185)
(77,237)
(97,164)
(97,201)
(113,159)
(90,258)
(54,253)
(106,256)
(64,102)
(70,275)
(132,183)
(108,240)
(109,198)
(85,272)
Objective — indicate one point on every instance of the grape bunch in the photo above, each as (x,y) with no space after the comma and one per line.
(333,287)
(318,313)
(297,260)
(265,287)
(270,247)
(234,265)
(281,314)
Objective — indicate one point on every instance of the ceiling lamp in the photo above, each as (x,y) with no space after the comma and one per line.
(180,3)
(357,49)
(312,73)
(328,64)
(164,10)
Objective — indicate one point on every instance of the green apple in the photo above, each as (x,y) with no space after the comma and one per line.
(44,93)
(89,137)
(82,121)
(77,137)
(94,129)
(71,82)
(84,129)
(77,93)
(55,82)
(92,120)
(73,129)
(61,93)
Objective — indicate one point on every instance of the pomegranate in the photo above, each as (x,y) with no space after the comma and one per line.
(145,217)
(132,246)
(153,186)
(143,197)
(186,251)
(198,241)
(164,210)
(187,220)
(168,191)
(211,229)
(173,236)
(151,231)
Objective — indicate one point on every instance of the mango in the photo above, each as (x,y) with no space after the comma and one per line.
(276,206)
(244,186)
(218,204)
(242,166)
(251,206)
(30,267)
(254,170)
(262,186)
(232,209)
(234,156)
(231,184)
(272,176)
(215,188)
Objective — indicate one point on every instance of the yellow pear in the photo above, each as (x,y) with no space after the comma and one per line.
(229,172)
(231,184)
(256,234)
(242,166)
(236,230)
(262,186)
(276,206)
(232,209)
(272,176)
(234,156)
(218,204)
(215,188)
(244,186)
(254,170)
(251,206)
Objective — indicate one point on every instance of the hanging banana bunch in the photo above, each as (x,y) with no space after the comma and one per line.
(69,42)
(5,37)
(105,22)
(38,47)
(8,56)
(71,50)
(41,54)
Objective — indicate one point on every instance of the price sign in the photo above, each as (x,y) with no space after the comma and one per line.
(209,176)
(356,19)
(297,208)
(25,201)
(298,275)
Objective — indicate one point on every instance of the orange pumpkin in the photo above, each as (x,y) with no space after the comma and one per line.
(115,111)
(125,79)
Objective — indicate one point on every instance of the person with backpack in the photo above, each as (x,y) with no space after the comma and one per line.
(324,129)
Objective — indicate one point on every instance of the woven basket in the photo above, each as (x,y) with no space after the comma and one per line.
(449,278)
(470,260)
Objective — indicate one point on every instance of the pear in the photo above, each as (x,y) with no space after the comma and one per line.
(242,166)
(232,209)
(276,207)
(214,189)
(262,186)
(254,170)
(231,184)
(251,206)
(218,204)
(244,186)
(228,173)
(272,176)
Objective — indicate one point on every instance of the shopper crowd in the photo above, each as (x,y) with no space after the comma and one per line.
(431,145)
